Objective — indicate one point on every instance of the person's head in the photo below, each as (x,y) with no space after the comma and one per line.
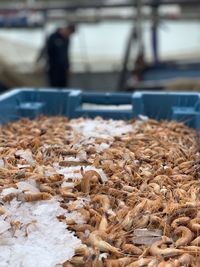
(68,30)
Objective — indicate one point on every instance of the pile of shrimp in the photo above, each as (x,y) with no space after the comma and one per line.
(148,211)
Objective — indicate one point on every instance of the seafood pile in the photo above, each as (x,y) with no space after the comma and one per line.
(126,193)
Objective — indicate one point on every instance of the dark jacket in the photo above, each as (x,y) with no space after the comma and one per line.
(57,51)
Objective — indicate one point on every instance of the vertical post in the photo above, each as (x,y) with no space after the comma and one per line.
(135,36)
(139,23)
(154,33)
(123,74)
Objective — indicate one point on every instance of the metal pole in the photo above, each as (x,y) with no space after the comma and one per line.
(123,74)
(135,35)
(154,33)
(139,23)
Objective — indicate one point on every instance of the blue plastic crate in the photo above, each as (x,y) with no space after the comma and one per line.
(33,102)
(181,106)
(77,100)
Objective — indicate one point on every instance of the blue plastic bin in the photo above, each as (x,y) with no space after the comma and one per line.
(33,102)
(181,106)
(76,109)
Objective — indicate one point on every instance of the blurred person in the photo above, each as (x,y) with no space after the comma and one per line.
(58,60)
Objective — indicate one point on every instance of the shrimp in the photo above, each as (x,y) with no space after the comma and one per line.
(165,264)
(77,261)
(142,222)
(15,225)
(192,250)
(121,262)
(117,192)
(194,225)
(66,194)
(30,197)
(82,236)
(2,211)
(96,241)
(82,251)
(128,188)
(186,164)
(85,214)
(196,242)
(139,207)
(95,221)
(155,249)
(140,263)
(94,213)
(131,249)
(69,221)
(9,197)
(104,200)
(180,221)
(46,188)
(185,259)
(186,236)
(103,224)
(30,227)
(67,264)
(88,177)
(128,221)
(121,213)
(156,188)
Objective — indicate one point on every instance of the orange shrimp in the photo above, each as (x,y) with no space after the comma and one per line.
(121,262)
(155,249)
(104,200)
(194,225)
(186,236)
(96,241)
(180,221)
(131,249)
(88,177)
(30,197)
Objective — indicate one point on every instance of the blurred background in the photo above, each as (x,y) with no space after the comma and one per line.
(118,45)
